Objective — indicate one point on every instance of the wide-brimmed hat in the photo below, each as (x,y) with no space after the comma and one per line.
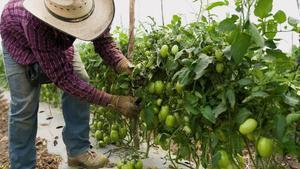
(83,19)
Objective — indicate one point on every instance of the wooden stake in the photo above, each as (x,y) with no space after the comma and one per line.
(134,122)
(131,28)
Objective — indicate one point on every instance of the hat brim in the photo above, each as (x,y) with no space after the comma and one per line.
(88,29)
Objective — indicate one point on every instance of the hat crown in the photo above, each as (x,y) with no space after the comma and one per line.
(69,3)
(70,10)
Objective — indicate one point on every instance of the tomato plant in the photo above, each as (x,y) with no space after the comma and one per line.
(211,88)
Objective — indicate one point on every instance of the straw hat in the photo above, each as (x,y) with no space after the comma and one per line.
(83,19)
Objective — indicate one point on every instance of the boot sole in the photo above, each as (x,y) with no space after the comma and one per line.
(80,165)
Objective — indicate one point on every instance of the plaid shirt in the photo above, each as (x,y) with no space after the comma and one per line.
(29,40)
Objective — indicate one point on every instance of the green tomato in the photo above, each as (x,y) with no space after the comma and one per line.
(148,44)
(164,112)
(130,164)
(170,121)
(231,166)
(169,88)
(179,87)
(101,143)
(164,51)
(147,53)
(99,125)
(114,136)
(127,166)
(114,127)
(120,165)
(248,126)
(98,135)
(155,110)
(158,102)
(178,38)
(95,125)
(265,147)
(175,49)
(187,130)
(186,119)
(123,132)
(93,129)
(159,87)
(224,160)
(219,55)
(151,87)
(106,139)
(220,67)
(138,164)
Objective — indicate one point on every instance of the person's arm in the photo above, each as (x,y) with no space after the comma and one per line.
(50,55)
(107,48)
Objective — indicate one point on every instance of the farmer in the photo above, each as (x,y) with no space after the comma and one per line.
(42,32)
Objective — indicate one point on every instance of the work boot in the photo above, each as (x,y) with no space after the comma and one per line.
(88,160)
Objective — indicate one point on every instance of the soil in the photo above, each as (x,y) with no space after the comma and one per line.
(44,159)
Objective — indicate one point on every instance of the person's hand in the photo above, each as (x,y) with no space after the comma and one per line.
(126,105)
(124,66)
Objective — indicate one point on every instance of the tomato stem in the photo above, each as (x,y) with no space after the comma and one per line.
(249,151)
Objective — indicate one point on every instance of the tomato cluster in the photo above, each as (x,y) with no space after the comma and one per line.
(133,164)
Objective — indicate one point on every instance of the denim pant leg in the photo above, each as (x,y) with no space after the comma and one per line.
(77,116)
(22,122)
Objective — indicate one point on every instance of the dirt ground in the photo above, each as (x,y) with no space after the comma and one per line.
(44,159)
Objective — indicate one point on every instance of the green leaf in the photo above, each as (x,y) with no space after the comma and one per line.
(228,24)
(280,126)
(291,100)
(164,140)
(292,147)
(184,151)
(191,98)
(124,86)
(242,115)
(240,47)
(259,94)
(221,108)
(183,76)
(216,4)
(256,36)
(179,54)
(208,114)
(271,29)
(231,97)
(293,21)
(245,82)
(280,16)
(171,64)
(263,8)
(292,117)
(149,114)
(276,53)
(191,103)
(201,64)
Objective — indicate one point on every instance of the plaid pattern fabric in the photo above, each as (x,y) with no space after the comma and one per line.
(29,40)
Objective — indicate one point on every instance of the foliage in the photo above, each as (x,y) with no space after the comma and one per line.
(200,85)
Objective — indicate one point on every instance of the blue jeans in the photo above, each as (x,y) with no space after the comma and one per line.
(22,122)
